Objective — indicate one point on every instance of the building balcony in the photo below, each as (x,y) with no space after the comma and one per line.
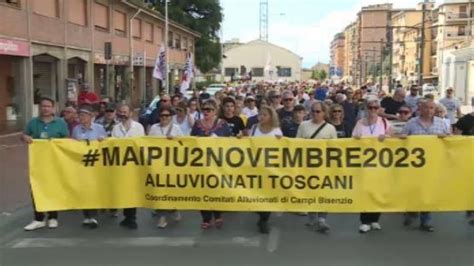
(454,17)
(455,35)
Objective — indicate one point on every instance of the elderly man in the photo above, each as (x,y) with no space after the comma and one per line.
(393,104)
(127,128)
(453,107)
(425,124)
(70,117)
(87,130)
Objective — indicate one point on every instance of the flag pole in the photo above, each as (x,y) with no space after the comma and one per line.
(167,82)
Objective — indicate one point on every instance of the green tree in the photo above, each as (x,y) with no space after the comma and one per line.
(323,74)
(205,17)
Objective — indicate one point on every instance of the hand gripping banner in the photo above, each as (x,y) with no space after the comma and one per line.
(422,173)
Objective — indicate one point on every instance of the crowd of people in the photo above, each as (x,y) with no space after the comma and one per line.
(293,110)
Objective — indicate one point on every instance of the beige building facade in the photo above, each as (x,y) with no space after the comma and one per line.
(49,47)
(337,56)
(264,60)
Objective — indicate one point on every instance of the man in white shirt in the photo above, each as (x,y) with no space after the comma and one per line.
(317,128)
(453,107)
(127,128)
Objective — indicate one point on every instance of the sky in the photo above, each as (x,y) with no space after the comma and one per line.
(305,27)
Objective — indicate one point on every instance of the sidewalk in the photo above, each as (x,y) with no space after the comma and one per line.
(14,184)
(9,127)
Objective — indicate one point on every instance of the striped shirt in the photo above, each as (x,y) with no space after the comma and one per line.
(415,127)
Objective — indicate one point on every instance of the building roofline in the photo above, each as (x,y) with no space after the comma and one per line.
(453,3)
(272,44)
(159,16)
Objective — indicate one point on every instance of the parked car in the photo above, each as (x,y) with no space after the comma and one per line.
(213,88)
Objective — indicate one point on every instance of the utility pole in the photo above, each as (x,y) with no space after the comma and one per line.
(381,62)
(422,44)
(390,54)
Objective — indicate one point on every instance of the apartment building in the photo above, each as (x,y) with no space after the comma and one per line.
(350,50)
(48,47)
(454,58)
(338,55)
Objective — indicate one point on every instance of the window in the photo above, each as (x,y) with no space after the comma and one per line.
(185,43)
(101,17)
(257,72)
(49,8)
(137,28)
(170,39)
(15,3)
(148,30)
(178,42)
(284,71)
(230,71)
(77,12)
(120,23)
(462,31)
(158,34)
(191,46)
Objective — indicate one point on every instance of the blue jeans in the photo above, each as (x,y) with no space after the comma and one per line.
(425,217)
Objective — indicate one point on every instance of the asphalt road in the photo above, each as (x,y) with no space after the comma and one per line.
(237,243)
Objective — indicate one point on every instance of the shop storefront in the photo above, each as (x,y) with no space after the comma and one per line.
(13,89)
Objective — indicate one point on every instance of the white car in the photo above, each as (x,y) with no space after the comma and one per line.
(213,88)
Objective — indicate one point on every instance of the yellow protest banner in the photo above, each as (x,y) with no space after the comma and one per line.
(255,174)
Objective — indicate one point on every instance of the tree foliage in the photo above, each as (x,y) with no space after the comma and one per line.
(205,17)
(319,74)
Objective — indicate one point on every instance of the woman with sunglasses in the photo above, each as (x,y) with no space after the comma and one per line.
(268,126)
(211,126)
(169,130)
(404,114)
(372,125)
(183,119)
(336,118)
(317,128)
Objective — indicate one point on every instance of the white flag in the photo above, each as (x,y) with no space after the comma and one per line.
(268,67)
(187,75)
(160,68)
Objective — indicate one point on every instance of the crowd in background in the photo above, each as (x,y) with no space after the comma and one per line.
(293,110)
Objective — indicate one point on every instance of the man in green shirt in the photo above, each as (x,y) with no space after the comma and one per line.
(46,126)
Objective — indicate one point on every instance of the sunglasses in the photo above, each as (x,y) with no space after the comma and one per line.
(316,111)
(276,96)
(337,111)
(208,109)
(165,101)
(165,115)
(179,110)
(373,107)
(110,111)
(288,100)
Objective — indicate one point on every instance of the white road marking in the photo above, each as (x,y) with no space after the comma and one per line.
(273,239)
(251,242)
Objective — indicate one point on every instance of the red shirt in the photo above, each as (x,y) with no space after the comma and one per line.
(87,97)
